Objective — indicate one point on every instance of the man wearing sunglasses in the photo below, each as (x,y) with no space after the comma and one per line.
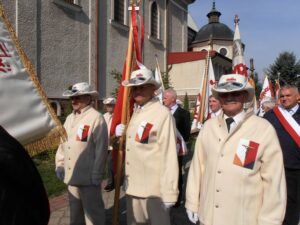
(236,175)
(80,160)
(151,166)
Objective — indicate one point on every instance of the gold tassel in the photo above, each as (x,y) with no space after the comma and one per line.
(58,133)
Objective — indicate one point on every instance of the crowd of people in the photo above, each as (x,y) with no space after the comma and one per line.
(245,169)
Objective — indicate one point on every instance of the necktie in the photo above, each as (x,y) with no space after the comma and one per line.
(229,121)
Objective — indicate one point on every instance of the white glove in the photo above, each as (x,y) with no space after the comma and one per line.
(199,125)
(120,130)
(168,205)
(60,173)
(193,217)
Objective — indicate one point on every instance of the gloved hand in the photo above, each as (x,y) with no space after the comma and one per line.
(120,130)
(193,217)
(199,125)
(96,180)
(60,173)
(168,205)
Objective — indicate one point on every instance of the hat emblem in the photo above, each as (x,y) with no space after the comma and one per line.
(231,79)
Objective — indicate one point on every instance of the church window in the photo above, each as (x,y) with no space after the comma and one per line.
(119,11)
(154,20)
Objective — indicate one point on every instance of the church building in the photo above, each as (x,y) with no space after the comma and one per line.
(186,69)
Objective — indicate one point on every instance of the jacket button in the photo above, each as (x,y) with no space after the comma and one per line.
(217,206)
(218,190)
(127,149)
(222,155)
(219,172)
(69,158)
(219,139)
(127,163)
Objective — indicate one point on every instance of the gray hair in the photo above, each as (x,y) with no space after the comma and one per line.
(289,86)
(172,92)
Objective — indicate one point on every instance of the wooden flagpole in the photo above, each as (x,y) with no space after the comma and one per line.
(160,77)
(129,57)
(204,88)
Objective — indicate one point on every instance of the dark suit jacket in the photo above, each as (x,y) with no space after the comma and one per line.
(183,124)
(23,199)
(291,151)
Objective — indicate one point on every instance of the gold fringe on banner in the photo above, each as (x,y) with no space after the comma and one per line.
(57,134)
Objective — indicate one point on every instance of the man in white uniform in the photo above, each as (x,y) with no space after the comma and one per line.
(80,160)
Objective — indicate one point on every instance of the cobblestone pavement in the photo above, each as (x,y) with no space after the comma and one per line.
(60,214)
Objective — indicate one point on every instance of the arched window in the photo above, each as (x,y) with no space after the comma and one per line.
(154,20)
(119,11)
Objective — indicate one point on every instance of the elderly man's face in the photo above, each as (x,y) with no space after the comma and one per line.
(214,104)
(168,99)
(143,94)
(232,103)
(288,97)
(80,102)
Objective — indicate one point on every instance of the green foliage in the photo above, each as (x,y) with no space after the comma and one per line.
(117,76)
(166,80)
(287,67)
(186,103)
(45,163)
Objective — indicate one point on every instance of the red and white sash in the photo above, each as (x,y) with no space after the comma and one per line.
(289,123)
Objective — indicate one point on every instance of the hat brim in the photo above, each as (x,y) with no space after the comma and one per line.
(109,103)
(249,89)
(69,93)
(134,83)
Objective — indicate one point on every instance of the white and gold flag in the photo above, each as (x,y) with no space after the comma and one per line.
(24,109)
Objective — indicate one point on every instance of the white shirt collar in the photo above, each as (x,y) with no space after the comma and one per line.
(237,119)
(293,110)
(174,108)
(215,114)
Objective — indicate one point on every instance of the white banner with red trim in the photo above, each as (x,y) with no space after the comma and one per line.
(24,110)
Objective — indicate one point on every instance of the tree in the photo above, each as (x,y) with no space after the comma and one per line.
(186,102)
(287,67)
(166,80)
(117,76)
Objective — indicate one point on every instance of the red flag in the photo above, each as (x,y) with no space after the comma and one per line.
(119,101)
(238,61)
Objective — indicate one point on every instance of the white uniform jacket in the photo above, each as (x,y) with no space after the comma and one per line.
(84,153)
(151,159)
(237,178)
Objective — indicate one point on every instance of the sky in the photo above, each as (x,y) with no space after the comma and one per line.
(267,27)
